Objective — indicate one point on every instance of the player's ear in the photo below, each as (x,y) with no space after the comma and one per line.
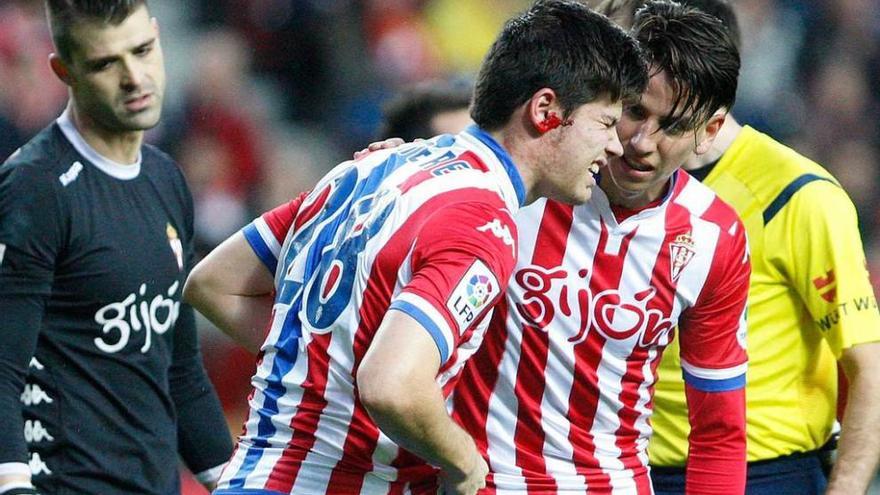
(59,68)
(709,132)
(542,110)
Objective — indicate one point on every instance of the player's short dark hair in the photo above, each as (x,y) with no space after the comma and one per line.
(697,53)
(63,14)
(561,45)
(623,11)
(409,114)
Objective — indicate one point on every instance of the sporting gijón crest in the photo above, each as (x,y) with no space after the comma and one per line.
(681,252)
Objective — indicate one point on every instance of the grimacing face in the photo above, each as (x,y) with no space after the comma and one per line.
(117,74)
(578,149)
(651,154)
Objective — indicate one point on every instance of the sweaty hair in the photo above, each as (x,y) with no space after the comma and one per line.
(698,55)
(623,11)
(409,115)
(561,45)
(63,14)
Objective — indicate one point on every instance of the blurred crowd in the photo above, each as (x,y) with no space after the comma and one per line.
(266,95)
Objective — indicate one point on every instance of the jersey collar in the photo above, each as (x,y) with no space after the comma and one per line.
(106,165)
(504,158)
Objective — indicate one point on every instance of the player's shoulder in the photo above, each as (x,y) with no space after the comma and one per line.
(705,206)
(156,160)
(40,162)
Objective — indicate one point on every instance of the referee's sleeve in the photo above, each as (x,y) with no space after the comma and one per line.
(30,239)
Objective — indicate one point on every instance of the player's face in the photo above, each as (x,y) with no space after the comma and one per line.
(451,122)
(117,73)
(650,154)
(575,149)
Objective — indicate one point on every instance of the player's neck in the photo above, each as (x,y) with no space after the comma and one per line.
(522,154)
(726,135)
(119,146)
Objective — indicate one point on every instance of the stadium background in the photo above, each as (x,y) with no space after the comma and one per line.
(265,95)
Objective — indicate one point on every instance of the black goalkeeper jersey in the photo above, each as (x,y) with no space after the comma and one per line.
(98,356)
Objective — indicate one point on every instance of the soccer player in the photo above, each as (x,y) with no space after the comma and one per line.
(811,306)
(427,109)
(559,396)
(384,273)
(101,380)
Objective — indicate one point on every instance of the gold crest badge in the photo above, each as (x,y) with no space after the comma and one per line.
(681,252)
(176,245)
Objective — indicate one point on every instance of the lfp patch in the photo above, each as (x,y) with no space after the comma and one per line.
(476,289)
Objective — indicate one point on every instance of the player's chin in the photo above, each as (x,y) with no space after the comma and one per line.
(577,196)
(141,121)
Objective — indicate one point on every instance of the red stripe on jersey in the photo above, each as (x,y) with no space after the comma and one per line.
(530,380)
(309,211)
(480,376)
(584,399)
(305,422)
(281,218)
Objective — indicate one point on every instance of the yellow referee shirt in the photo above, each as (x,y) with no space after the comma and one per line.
(810,298)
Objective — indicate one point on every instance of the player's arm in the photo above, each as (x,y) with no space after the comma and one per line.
(713,362)
(30,236)
(397,385)
(234,285)
(830,275)
(397,379)
(203,436)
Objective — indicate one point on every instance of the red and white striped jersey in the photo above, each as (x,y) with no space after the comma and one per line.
(559,395)
(426,229)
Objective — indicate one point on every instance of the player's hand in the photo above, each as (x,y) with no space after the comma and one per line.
(381,145)
(468,483)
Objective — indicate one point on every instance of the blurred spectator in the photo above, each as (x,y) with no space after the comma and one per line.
(221,148)
(427,109)
(30,96)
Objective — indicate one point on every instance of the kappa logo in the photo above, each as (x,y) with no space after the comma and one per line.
(72,173)
(33,395)
(37,465)
(500,231)
(2,252)
(34,432)
(681,252)
(36,364)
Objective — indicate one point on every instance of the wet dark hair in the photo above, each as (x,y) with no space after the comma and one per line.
(561,45)
(623,11)
(63,14)
(697,53)
(409,114)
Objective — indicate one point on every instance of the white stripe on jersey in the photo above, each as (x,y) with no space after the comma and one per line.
(714,374)
(267,236)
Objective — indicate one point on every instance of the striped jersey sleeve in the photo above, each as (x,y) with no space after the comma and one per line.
(461,262)
(713,331)
(267,232)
